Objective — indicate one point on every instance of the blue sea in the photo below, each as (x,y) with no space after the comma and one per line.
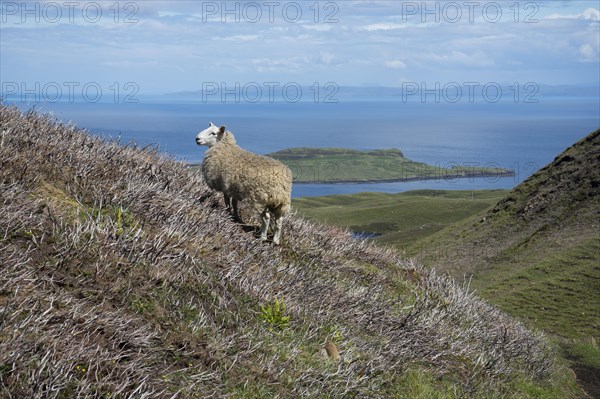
(518,136)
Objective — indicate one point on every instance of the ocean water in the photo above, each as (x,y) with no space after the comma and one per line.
(521,137)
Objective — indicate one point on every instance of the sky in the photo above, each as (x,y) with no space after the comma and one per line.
(172,46)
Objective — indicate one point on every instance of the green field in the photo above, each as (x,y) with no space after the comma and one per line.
(401,219)
(340,165)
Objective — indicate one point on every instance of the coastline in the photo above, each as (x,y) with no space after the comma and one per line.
(411,179)
(439,177)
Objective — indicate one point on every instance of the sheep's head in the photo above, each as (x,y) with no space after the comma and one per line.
(211,135)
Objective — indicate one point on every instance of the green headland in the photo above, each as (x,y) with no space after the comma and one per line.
(342,165)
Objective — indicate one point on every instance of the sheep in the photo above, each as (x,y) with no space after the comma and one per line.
(242,175)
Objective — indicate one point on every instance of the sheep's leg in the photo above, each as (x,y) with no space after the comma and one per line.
(266,219)
(278,224)
(236,214)
(227,202)
(231,207)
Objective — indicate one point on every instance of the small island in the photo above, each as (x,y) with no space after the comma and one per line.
(341,165)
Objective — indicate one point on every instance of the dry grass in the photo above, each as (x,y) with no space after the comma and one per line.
(122,276)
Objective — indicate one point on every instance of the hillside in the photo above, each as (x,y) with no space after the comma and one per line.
(558,207)
(545,232)
(397,219)
(121,276)
(534,251)
(342,165)
(536,254)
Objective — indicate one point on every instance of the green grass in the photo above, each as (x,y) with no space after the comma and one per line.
(549,282)
(419,384)
(345,165)
(586,354)
(544,293)
(401,219)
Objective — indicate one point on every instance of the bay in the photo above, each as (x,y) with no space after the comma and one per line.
(522,137)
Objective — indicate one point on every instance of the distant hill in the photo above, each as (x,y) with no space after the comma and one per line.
(536,253)
(556,210)
(122,276)
(309,152)
(343,165)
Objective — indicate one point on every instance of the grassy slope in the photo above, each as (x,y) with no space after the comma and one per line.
(539,244)
(345,165)
(535,254)
(122,276)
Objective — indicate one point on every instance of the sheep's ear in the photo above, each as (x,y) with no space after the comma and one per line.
(221,132)
(210,124)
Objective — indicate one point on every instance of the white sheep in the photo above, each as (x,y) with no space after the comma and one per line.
(242,175)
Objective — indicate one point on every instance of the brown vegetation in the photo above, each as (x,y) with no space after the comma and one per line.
(121,276)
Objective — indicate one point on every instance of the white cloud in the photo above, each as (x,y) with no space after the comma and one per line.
(239,38)
(588,54)
(590,14)
(383,26)
(326,57)
(318,28)
(370,44)
(561,16)
(131,64)
(277,65)
(395,64)
(476,59)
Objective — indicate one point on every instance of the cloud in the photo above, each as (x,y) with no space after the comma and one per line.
(590,14)
(383,26)
(239,38)
(277,65)
(326,57)
(370,44)
(131,64)
(318,28)
(588,54)
(395,64)
(476,59)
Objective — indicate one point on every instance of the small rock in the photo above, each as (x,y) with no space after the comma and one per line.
(332,350)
